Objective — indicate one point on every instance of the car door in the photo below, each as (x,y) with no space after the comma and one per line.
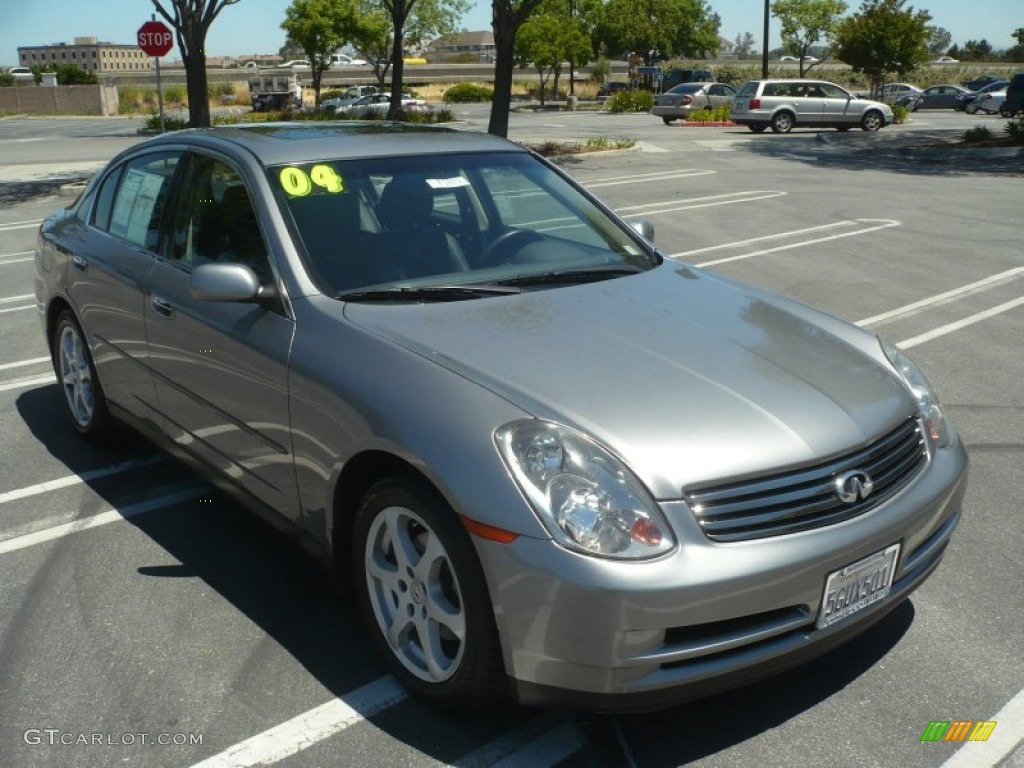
(809,102)
(112,256)
(221,368)
(839,106)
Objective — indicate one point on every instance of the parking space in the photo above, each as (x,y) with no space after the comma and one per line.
(136,600)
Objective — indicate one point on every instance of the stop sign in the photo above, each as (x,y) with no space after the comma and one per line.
(155,38)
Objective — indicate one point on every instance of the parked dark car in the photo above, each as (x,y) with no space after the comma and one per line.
(936,97)
(612,87)
(980,82)
(960,102)
(1014,104)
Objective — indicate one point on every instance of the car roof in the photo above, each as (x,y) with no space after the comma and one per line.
(297,142)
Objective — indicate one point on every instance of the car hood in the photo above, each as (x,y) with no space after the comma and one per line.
(687,377)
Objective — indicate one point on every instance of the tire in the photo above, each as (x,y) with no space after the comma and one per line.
(843,128)
(757,128)
(971,109)
(82,394)
(872,121)
(667,120)
(413,564)
(782,122)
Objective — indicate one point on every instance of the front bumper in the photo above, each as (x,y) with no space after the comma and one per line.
(581,631)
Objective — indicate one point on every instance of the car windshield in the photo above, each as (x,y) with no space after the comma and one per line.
(449,220)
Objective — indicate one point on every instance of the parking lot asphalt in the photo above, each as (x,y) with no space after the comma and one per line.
(137,603)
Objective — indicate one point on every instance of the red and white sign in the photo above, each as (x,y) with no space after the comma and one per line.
(155,38)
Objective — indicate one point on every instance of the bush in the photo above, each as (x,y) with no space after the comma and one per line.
(978,133)
(710,115)
(468,92)
(630,101)
(1015,130)
(170,123)
(600,71)
(900,113)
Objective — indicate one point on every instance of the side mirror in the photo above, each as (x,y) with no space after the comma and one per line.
(225,282)
(644,228)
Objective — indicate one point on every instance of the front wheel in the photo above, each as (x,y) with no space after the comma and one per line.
(971,109)
(782,122)
(757,128)
(423,596)
(83,398)
(872,121)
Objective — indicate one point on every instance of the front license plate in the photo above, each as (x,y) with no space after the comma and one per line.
(857,586)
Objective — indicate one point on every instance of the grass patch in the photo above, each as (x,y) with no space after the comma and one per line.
(595,144)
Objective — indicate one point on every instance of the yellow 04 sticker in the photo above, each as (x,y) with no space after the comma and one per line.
(297,183)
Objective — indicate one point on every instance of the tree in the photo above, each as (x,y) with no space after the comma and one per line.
(977,50)
(507,17)
(550,38)
(681,27)
(883,38)
(70,74)
(1018,35)
(939,40)
(807,23)
(744,45)
(191,20)
(319,28)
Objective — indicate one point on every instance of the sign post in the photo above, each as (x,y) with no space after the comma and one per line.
(155,40)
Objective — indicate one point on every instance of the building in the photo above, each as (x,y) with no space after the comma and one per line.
(88,54)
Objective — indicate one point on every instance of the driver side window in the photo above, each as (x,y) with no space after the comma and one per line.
(215,221)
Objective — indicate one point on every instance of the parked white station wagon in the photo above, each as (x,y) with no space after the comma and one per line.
(783,104)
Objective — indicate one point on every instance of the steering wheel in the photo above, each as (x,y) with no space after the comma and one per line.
(491,256)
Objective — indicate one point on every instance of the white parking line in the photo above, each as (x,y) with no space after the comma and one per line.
(17,309)
(314,725)
(103,518)
(12,299)
(28,381)
(674,175)
(882,224)
(549,750)
(700,202)
(763,238)
(941,298)
(20,363)
(943,330)
(5,262)
(13,225)
(1008,733)
(83,477)
(654,176)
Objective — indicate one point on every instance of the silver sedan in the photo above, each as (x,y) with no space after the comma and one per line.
(552,462)
(685,98)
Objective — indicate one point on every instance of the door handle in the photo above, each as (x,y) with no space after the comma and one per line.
(161,306)
(79,263)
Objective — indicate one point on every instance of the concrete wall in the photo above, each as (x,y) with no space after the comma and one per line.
(61,100)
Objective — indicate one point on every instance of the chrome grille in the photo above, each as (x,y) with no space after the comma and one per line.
(805,498)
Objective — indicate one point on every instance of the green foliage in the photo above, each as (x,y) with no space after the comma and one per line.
(807,23)
(630,101)
(170,123)
(468,92)
(683,27)
(900,113)
(977,133)
(463,58)
(6,80)
(546,40)
(319,28)
(173,94)
(884,38)
(69,74)
(710,115)
(1015,130)
(600,70)
(220,90)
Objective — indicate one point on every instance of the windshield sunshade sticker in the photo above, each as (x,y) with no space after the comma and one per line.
(452,183)
(297,183)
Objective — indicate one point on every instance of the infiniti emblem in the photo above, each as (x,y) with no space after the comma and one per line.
(853,486)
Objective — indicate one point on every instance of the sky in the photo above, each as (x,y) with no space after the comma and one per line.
(254,26)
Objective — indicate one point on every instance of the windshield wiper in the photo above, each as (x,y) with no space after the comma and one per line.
(429,293)
(584,275)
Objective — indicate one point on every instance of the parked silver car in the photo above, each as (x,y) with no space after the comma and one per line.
(685,98)
(783,104)
(553,461)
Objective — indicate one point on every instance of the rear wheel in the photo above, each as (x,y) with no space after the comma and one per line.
(782,122)
(422,594)
(971,109)
(872,120)
(667,120)
(83,398)
(757,128)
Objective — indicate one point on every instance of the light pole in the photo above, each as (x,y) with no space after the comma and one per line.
(764,45)
(572,74)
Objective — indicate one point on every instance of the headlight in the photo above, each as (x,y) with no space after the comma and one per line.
(586,497)
(927,402)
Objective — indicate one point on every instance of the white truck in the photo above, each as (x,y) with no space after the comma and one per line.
(275,92)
